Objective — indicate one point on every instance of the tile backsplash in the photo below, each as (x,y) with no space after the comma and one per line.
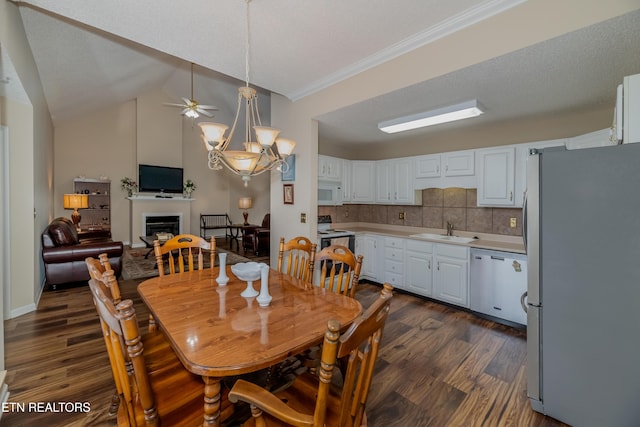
(439,206)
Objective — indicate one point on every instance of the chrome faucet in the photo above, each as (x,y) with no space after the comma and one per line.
(449,229)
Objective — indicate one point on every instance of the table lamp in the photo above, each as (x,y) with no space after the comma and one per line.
(245,203)
(75,202)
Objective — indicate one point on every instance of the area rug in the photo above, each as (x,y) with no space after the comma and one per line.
(135,266)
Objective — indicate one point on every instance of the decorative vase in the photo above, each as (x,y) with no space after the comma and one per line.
(264,299)
(222,279)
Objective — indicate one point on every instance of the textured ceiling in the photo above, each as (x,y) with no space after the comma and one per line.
(91,54)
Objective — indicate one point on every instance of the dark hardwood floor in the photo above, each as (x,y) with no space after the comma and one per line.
(438,366)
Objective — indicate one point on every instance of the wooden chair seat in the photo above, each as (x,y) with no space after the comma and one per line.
(313,401)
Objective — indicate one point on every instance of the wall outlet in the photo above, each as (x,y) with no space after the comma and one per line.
(512,222)
(401,215)
(303,218)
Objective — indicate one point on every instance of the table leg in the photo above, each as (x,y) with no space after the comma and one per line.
(211,401)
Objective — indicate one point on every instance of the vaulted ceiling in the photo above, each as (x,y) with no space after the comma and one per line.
(91,54)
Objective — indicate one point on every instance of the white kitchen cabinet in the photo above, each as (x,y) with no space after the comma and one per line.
(419,267)
(363,181)
(394,182)
(371,248)
(393,262)
(451,274)
(496,176)
(346,181)
(459,163)
(427,166)
(329,168)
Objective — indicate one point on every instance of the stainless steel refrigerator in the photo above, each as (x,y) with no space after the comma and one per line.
(582,232)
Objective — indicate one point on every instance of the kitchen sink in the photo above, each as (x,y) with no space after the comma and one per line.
(444,237)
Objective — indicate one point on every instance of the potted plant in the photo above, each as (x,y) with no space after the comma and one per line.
(189,187)
(129,185)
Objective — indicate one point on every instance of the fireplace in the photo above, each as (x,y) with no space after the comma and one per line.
(161,224)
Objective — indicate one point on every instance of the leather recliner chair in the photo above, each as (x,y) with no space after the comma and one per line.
(64,252)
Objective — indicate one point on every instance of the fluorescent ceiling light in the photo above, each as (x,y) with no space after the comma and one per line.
(451,113)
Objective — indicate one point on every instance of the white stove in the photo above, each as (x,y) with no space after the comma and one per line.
(325,231)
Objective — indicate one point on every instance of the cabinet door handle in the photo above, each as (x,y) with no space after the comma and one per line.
(438,266)
(446,168)
(438,168)
(429,265)
(510,196)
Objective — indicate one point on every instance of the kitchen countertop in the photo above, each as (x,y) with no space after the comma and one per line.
(496,242)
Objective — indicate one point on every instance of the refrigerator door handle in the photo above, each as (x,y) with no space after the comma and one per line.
(523,297)
(524,221)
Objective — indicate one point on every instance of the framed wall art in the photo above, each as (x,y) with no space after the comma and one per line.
(290,173)
(287,191)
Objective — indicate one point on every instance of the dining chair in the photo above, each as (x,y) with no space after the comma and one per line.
(296,258)
(314,400)
(153,386)
(97,269)
(176,248)
(339,269)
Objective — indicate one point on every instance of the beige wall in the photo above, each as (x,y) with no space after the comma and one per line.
(102,143)
(31,164)
(158,131)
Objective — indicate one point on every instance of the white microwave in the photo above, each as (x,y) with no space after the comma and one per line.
(329,194)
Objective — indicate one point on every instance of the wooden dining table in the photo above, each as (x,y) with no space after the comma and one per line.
(218,333)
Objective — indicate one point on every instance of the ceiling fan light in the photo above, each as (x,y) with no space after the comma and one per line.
(192,114)
(213,132)
(285,146)
(266,135)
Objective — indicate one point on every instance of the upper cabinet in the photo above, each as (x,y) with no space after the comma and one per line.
(458,163)
(329,168)
(427,166)
(363,184)
(496,176)
(394,182)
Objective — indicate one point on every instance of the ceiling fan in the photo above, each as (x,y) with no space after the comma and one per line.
(190,107)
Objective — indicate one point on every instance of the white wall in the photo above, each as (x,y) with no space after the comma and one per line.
(31,166)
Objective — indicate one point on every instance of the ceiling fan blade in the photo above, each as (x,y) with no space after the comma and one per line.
(183,112)
(187,101)
(208,107)
(168,104)
(205,112)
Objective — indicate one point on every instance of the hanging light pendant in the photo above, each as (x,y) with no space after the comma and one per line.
(262,150)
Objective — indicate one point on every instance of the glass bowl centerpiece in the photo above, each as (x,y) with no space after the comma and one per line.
(247,272)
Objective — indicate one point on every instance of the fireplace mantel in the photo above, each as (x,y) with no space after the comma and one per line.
(149,205)
(177,198)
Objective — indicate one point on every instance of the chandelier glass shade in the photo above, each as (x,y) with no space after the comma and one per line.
(261,151)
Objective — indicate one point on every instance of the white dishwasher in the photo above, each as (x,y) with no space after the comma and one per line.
(498,281)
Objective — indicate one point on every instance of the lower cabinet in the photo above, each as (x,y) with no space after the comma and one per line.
(394,262)
(419,267)
(451,275)
(370,247)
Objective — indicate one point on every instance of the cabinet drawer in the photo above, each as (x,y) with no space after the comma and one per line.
(453,251)
(397,280)
(393,266)
(418,246)
(392,253)
(394,242)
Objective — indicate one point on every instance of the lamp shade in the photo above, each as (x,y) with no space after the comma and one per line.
(76,201)
(245,203)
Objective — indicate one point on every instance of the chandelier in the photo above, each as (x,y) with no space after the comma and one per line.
(262,149)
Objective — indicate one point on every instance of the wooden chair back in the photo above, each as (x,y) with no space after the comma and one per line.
(97,269)
(312,396)
(189,245)
(339,269)
(125,353)
(296,258)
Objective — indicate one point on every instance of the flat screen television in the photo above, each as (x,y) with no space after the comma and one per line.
(159,179)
